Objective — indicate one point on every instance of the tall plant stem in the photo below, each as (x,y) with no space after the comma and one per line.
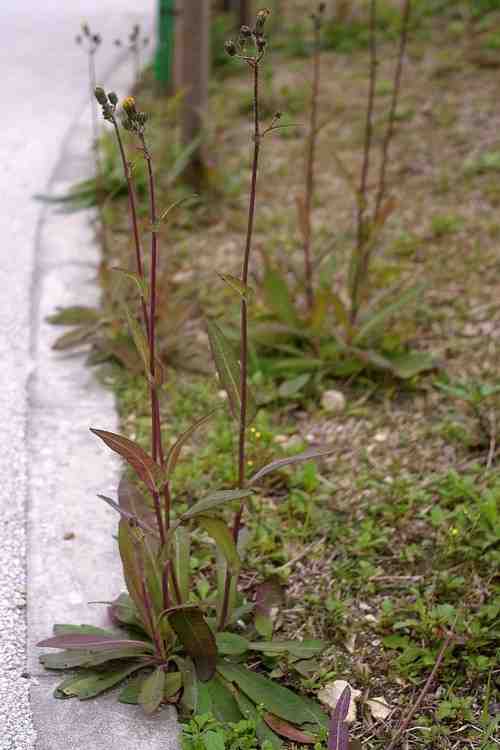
(145,314)
(244,330)
(95,145)
(310,164)
(403,40)
(363,187)
(157,444)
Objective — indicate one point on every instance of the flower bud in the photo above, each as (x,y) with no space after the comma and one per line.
(246,32)
(262,17)
(100,95)
(113,98)
(230,48)
(128,105)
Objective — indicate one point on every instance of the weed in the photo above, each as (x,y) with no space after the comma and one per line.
(135,43)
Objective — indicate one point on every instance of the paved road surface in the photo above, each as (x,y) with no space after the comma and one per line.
(42,91)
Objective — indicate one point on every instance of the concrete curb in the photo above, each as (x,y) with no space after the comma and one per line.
(68,467)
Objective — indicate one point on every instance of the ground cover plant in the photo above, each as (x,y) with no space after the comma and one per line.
(392,543)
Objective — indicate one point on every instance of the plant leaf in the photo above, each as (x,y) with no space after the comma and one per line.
(215,500)
(79,641)
(283,728)
(220,533)
(75,337)
(70,659)
(215,697)
(197,639)
(132,519)
(173,683)
(268,600)
(152,691)
(338,738)
(231,644)
(297,459)
(67,629)
(235,285)
(278,298)
(182,561)
(139,281)
(229,371)
(132,571)
(276,699)
(297,649)
(90,685)
(292,387)
(142,463)
(133,501)
(375,321)
(249,711)
(130,693)
(74,316)
(175,451)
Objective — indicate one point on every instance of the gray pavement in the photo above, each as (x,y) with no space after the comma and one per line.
(50,466)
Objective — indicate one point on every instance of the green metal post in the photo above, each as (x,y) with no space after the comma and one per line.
(165,43)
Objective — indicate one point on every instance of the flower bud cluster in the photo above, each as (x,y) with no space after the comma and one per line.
(93,40)
(132,119)
(248,36)
(108,102)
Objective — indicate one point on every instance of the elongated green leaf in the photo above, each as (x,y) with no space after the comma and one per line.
(75,658)
(235,285)
(152,691)
(279,298)
(75,337)
(138,338)
(175,451)
(290,460)
(249,711)
(130,693)
(197,639)
(215,697)
(231,644)
(409,364)
(68,629)
(220,533)
(276,699)
(182,561)
(380,317)
(229,372)
(139,281)
(90,685)
(132,570)
(189,699)
(215,500)
(222,573)
(74,316)
(297,649)
(142,463)
(173,683)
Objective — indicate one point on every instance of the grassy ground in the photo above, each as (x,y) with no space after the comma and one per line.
(392,541)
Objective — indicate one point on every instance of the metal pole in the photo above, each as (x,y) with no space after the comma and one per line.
(165,43)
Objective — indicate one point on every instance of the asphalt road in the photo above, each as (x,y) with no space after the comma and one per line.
(43,90)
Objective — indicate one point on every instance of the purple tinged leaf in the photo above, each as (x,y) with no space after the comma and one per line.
(338,738)
(77,641)
(134,520)
(142,463)
(197,639)
(131,499)
(297,459)
(269,598)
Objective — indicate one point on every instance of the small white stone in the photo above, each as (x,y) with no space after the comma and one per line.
(281,439)
(381,436)
(379,708)
(222,394)
(333,402)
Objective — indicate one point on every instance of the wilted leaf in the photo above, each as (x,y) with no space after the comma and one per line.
(338,738)
(229,371)
(215,500)
(275,698)
(284,729)
(221,534)
(268,600)
(197,639)
(231,644)
(142,463)
(152,691)
(290,460)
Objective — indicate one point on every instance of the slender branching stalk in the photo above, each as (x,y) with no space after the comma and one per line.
(317,19)
(367,149)
(135,44)
(396,90)
(255,38)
